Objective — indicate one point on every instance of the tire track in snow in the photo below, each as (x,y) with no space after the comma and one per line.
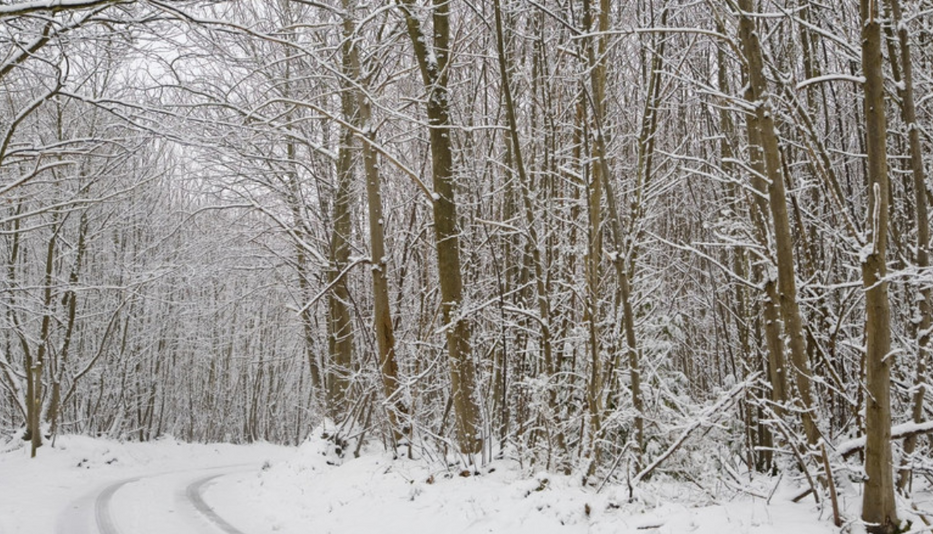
(103,504)
(102,509)
(195,497)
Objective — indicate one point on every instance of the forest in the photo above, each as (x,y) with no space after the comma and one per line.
(612,239)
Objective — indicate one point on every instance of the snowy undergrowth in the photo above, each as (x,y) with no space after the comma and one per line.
(316,491)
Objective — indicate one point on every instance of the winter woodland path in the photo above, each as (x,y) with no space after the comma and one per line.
(159,503)
(86,485)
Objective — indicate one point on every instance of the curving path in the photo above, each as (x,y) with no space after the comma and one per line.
(158,503)
(102,509)
(194,495)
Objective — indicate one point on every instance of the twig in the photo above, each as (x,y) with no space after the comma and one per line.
(831,484)
(711,413)
(800,460)
(333,282)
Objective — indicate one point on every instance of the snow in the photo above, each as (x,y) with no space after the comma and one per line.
(262,488)
(27,7)
(317,491)
(831,78)
(897,431)
(57,491)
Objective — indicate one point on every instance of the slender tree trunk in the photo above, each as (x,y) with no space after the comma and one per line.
(925,311)
(534,245)
(382,314)
(45,330)
(594,389)
(71,302)
(340,327)
(777,367)
(744,314)
(790,310)
(625,266)
(12,261)
(434,74)
(593,49)
(300,235)
(879,509)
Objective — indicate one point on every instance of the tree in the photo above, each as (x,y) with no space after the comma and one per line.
(763,122)
(879,508)
(921,216)
(433,64)
(361,124)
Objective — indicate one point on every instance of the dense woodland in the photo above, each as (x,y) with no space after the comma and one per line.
(612,238)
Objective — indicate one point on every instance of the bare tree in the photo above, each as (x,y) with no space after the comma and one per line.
(433,63)
(763,122)
(879,508)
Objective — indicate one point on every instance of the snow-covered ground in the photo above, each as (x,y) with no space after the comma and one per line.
(59,491)
(375,493)
(257,489)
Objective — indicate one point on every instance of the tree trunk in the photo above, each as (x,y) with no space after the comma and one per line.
(593,49)
(340,327)
(790,310)
(446,233)
(777,367)
(925,312)
(382,314)
(534,244)
(878,505)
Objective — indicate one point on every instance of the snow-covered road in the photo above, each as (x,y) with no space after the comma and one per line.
(156,504)
(90,486)
(195,497)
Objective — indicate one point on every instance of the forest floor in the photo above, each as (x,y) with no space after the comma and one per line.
(85,486)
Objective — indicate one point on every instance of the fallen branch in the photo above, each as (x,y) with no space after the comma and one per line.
(706,418)
(848,448)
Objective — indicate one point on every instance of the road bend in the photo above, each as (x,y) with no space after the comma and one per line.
(168,502)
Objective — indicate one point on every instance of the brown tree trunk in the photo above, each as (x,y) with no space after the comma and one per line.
(595,178)
(35,402)
(340,327)
(759,439)
(71,301)
(446,233)
(790,310)
(909,115)
(777,367)
(534,244)
(300,233)
(879,509)
(382,313)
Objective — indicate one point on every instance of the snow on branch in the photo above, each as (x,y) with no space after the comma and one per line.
(334,282)
(706,418)
(25,8)
(905,430)
(831,78)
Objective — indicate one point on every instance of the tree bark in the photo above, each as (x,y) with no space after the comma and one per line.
(446,232)
(340,327)
(879,509)
(595,178)
(925,312)
(534,244)
(783,241)
(382,312)
(777,366)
